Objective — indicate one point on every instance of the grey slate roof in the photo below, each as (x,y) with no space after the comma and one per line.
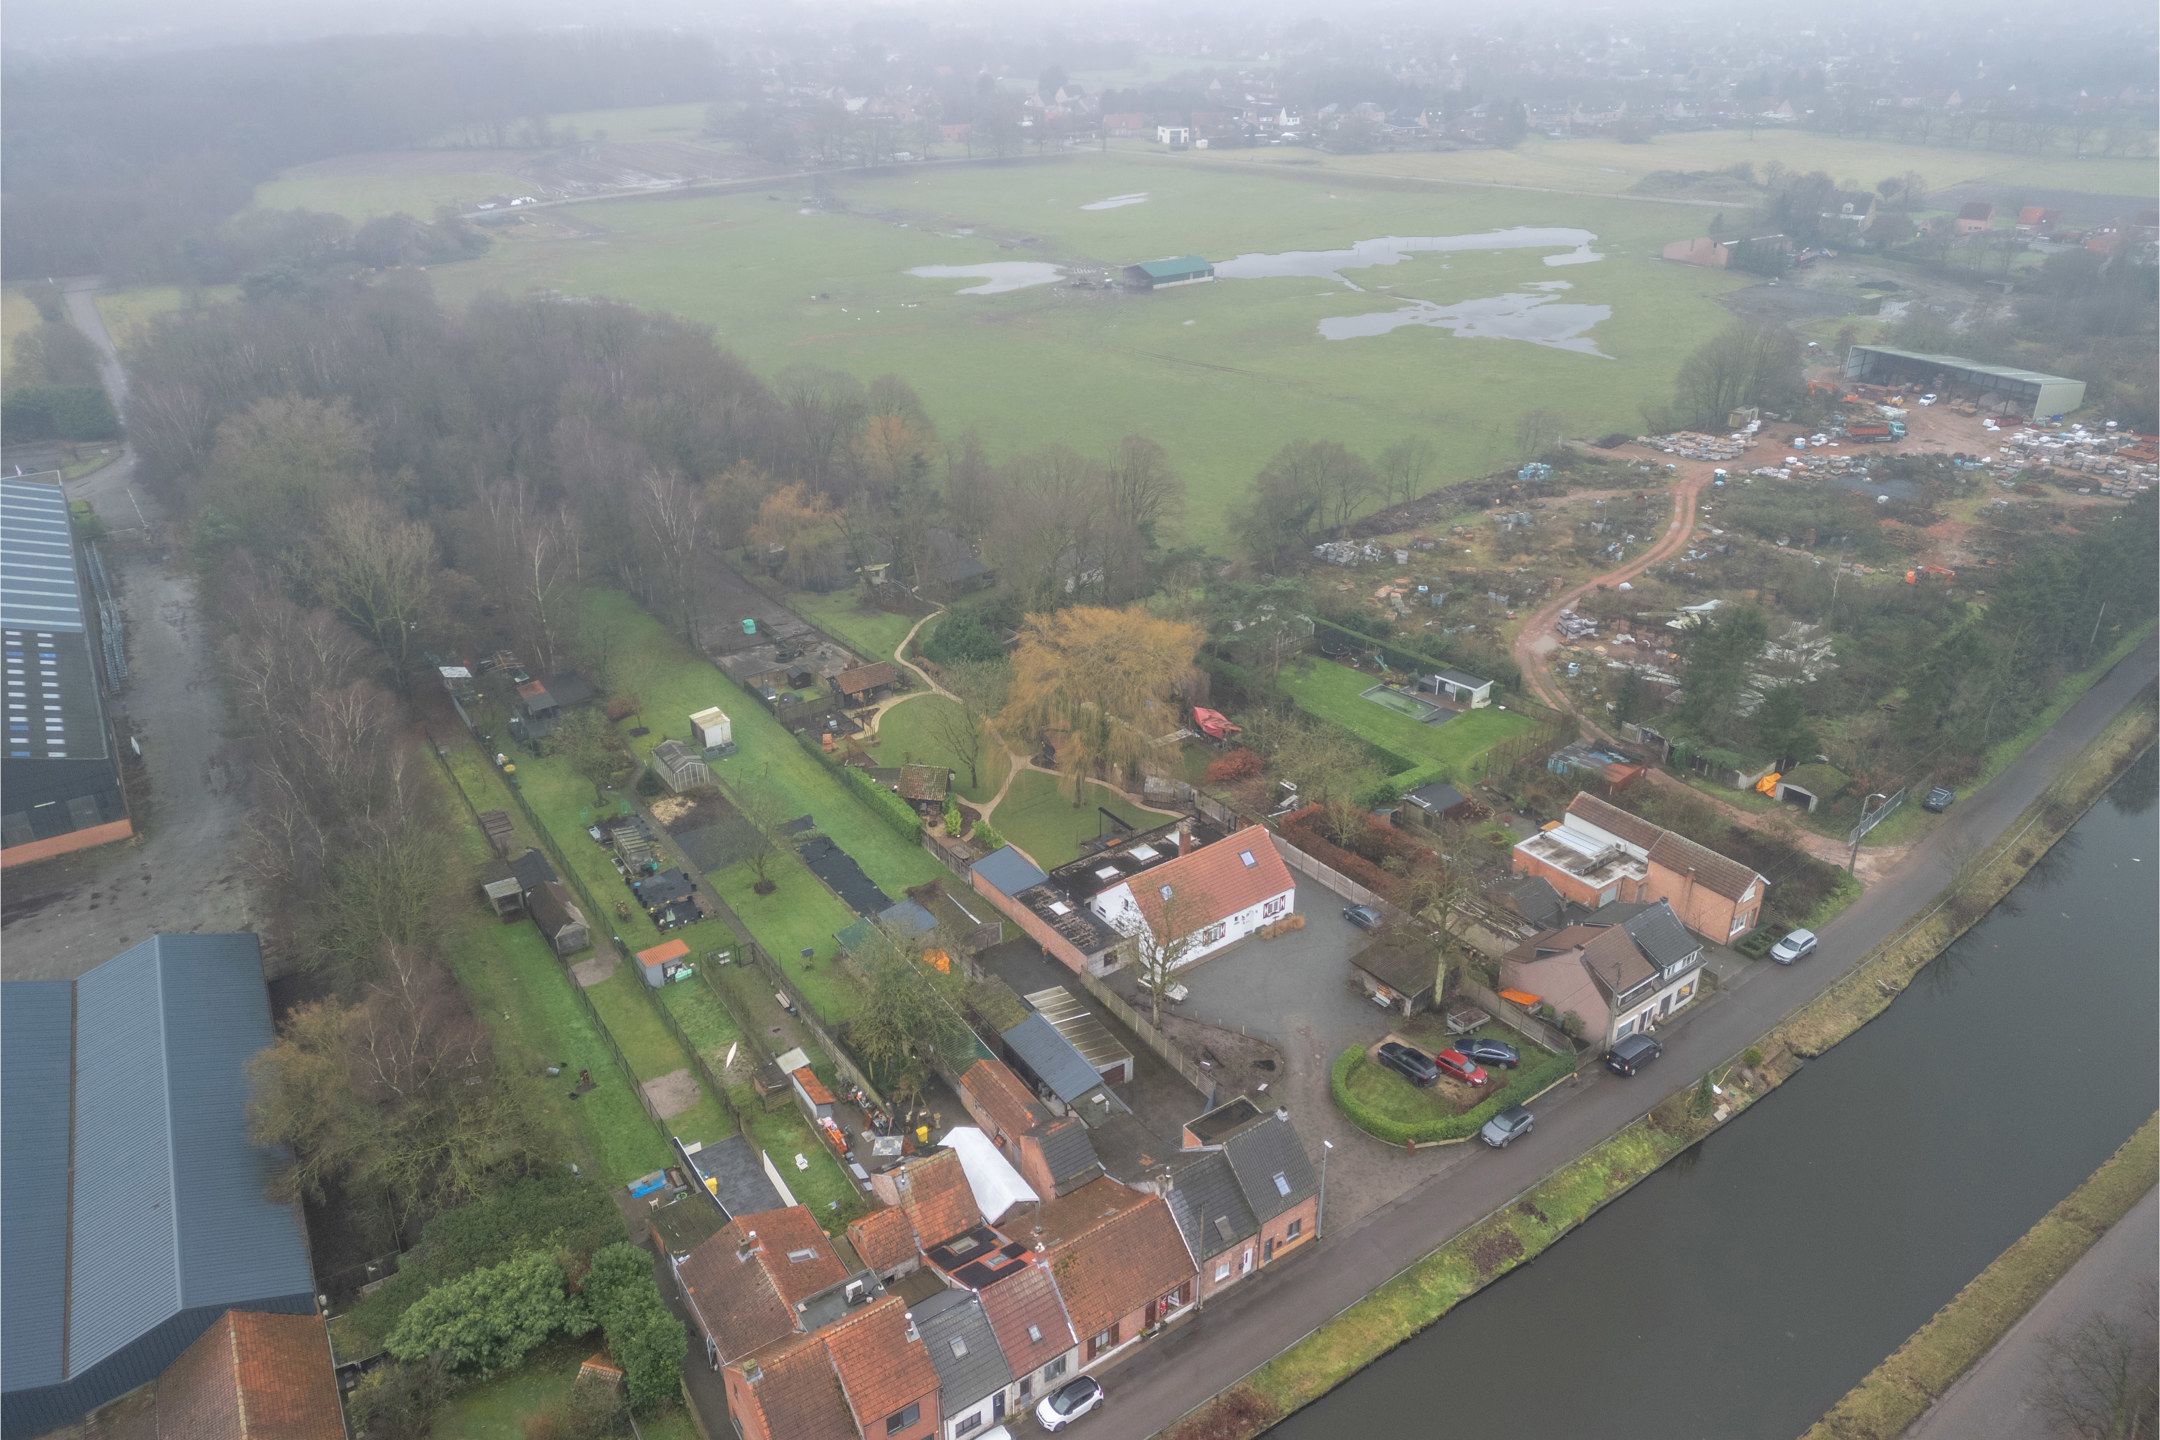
(1656,931)
(1439,797)
(1536,901)
(1008,871)
(963,1347)
(1054,1060)
(1070,1155)
(739,1179)
(1271,1167)
(171,1212)
(1464,677)
(1210,1207)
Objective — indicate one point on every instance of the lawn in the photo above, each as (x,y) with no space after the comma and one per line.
(395,182)
(1613,167)
(1386,1094)
(18,317)
(905,734)
(495,1409)
(870,632)
(1336,693)
(1039,819)
(1221,374)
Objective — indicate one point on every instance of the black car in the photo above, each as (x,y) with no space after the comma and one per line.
(1631,1054)
(1939,799)
(1490,1052)
(1362,916)
(1413,1065)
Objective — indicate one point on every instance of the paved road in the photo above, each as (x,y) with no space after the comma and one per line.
(184,874)
(2113,1279)
(1261,1317)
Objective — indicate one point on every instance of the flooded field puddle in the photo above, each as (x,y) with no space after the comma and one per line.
(1117,202)
(1536,319)
(1394,249)
(998,276)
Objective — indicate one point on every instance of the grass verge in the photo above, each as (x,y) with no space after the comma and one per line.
(1868,988)
(1896,1392)
(497,1408)
(869,631)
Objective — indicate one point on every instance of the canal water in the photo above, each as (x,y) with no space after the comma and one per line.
(1746,1286)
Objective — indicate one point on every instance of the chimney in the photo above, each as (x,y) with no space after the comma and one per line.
(748,1246)
(1184,835)
(1282,1113)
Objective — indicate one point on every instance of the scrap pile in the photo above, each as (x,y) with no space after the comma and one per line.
(2119,461)
(1575,627)
(1689,445)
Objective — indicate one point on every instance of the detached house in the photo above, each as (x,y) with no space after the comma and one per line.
(1624,970)
(1599,854)
(1208,899)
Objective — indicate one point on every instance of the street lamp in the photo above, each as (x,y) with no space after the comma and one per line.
(1853,859)
(1320,1220)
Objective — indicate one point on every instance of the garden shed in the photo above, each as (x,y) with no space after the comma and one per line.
(712,729)
(1399,972)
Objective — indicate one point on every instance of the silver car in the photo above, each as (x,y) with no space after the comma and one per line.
(1505,1127)
(1793,946)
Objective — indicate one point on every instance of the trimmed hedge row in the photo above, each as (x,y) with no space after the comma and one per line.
(1442,1127)
(885,804)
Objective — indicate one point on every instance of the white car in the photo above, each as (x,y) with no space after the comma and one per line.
(1069,1402)
(1793,946)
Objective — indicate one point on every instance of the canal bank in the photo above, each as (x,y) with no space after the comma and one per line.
(1741,1289)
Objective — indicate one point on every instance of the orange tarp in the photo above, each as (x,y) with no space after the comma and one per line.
(1519,997)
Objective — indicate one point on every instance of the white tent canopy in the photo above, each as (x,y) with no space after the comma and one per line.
(997,1186)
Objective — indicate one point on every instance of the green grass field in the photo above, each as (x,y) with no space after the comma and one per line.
(496,1408)
(1612,167)
(1336,693)
(637,122)
(870,632)
(1222,374)
(392,182)
(905,735)
(1049,827)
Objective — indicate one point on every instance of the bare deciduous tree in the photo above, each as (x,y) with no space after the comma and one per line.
(2102,1380)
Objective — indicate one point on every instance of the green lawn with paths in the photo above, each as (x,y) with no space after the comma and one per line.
(906,733)
(1336,693)
(1036,816)
(496,1408)
(869,631)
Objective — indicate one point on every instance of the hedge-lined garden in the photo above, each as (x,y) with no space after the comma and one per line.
(1388,1107)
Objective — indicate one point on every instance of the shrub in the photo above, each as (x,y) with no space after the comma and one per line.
(889,807)
(58,412)
(398,1401)
(591,1411)
(1239,764)
(953,821)
(490,1319)
(961,636)
(1752,1057)
(645,1339)
(987,837)
(649,782)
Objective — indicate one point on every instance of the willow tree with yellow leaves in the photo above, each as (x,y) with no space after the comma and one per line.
(1099,686)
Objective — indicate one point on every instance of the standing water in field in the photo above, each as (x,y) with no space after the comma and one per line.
(1537,319)
(998,276)
(1394,249)
(1117,202)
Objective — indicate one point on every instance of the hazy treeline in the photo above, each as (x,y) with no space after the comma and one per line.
(125,166)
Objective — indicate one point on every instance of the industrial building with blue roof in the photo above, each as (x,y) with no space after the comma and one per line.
(136,1209)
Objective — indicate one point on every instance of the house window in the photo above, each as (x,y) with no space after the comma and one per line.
(1222,1270)
(1214,933)
(1297,1228)
(1275,906)
(1174,1299)
(1103,1340)
(1687,991)
(1035,1334)
(900,1420)
(1739,923)
(968,1423)
(1054,1369)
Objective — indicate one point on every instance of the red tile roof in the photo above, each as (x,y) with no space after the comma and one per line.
(859,678)
(935,1193)
(795,1395)
(1214,882)
(1023,1301)
(883,1366)
(884,1238)
(1673,852)
(1011,1107)
(253,1376)
(745,1298)
(1118,1264)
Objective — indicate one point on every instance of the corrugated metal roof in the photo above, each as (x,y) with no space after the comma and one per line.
(1051,1056)
(34,1066)
(1959,362)
(1175,266)
(1081,1029)
(1009,872)
(37,556)
(171,1198)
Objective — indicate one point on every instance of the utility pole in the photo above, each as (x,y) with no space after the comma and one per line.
(1320,1220)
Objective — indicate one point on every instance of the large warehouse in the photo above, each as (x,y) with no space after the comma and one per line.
(59,779)
(2001,388)
(136,1208)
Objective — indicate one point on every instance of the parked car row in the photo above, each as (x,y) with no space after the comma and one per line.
(1421,1069)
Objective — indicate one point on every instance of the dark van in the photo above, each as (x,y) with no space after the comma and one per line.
(1631,1054)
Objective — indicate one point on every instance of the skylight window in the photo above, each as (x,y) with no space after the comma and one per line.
(1143,852)
(1035,1334)
(1282,1183)
(1166,892)
(959,1347)
(1246,856)
(1059,907)
(1107,872)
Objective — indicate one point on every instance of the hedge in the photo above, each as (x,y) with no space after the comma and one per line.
(885,804)
(1444,1127)
(58,412)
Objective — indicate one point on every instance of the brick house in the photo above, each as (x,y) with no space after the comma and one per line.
(1626,969)
(743,1285)
(1600,854)
(1248,1198)
(867,1374)
(1052,1153)
(253,1374)
(1027,1315)
(1120,1265)
(933,1192)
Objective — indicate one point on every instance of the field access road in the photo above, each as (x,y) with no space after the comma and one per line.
(1261,1317)
(184,872)
(2113,1279)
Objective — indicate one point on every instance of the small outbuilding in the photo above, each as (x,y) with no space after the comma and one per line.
(1472,692)
(1400,972)
(1430,805)
(660,963)
(1809,786)
(679,767)
(861,684)
(560,920)
(712,729)
(925,787)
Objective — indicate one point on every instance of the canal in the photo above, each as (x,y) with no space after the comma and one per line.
(1746,1286)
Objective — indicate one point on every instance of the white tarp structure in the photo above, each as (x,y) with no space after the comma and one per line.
(997,1186)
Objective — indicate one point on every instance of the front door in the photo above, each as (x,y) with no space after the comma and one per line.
(997,1407)
(1245,1268)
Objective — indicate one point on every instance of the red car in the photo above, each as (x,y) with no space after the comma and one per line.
(1455,1064)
